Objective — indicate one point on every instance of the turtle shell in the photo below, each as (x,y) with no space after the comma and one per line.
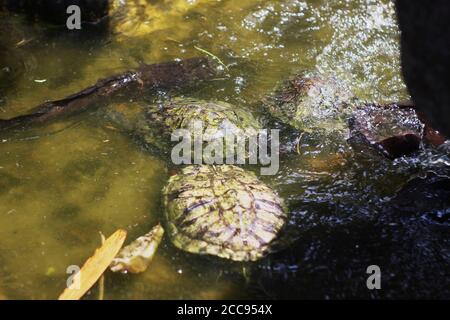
(155,123)
(216,117)
(223,211)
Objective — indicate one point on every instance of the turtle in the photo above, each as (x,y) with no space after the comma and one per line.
(310,102)
(222,210)
(327,107)
(153,124)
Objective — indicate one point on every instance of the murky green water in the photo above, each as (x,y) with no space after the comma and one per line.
(62,184)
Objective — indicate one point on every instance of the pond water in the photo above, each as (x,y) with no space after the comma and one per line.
(64,183)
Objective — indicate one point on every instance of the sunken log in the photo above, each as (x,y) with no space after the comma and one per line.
(161,76)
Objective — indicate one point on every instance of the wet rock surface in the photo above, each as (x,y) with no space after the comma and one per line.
(392,130)
(395,130)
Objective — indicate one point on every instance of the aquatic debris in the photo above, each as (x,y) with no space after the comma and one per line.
(212,56)
(101,281)
(23,42)
(159,76)
(136,257)
(50,271)
(94,267)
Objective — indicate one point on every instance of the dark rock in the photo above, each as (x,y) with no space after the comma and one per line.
(425,43)
(398,146)
(395,130)
(430,135)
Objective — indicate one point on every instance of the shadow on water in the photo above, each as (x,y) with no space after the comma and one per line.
(407,239)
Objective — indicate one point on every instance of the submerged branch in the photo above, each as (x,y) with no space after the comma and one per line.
(161,76)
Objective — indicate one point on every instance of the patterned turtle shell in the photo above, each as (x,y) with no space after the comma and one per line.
(223,211)
(155,123)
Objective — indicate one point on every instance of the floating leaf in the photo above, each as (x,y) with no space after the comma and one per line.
(94,267)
